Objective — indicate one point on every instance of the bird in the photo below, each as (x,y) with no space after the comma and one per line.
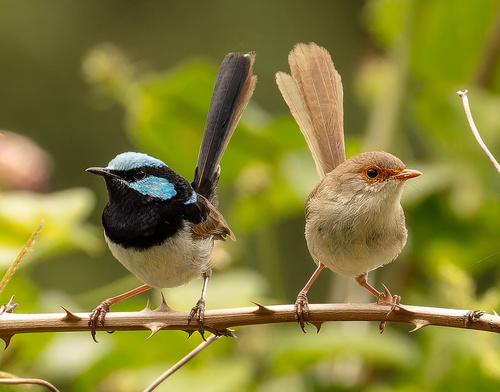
(354,222)
(156,223)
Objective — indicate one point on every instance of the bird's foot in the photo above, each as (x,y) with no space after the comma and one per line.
(302,310)
(198,313)
(386,298)
(97,316)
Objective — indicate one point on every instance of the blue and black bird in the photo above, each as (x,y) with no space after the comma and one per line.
(157,224)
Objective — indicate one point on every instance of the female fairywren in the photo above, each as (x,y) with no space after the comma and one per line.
(157,224)
(354,219)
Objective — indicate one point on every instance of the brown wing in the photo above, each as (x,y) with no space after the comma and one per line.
(314,95)
(214,225)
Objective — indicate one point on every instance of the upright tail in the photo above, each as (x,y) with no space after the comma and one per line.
(233,88)
(314,95)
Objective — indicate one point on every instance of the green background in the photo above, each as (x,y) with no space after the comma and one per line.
(86,80)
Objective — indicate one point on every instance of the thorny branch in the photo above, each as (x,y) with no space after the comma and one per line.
(220,321)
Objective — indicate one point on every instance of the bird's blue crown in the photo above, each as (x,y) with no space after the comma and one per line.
(151,185)
(133,160)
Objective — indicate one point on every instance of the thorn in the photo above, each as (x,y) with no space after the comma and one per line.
(262,309)
(202,334)
(6,338)
(9,307)
(419,324)
(403,308)
(381,327)
(147,308)
(190,333)
(69,316)
(154,327)
(163,306)
(495,313)
(228,333)
(317,325)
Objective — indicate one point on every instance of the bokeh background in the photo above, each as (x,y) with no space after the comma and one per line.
(81,81)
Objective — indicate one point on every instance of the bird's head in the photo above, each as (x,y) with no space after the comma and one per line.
(144,176)
(372,177)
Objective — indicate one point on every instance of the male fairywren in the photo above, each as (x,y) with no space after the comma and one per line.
(157,224)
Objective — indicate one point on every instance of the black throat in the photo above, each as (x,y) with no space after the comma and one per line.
(139,221)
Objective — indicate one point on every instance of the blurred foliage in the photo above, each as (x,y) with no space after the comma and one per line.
(416,56)
(66,230)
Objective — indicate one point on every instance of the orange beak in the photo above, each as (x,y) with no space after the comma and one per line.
(406,174)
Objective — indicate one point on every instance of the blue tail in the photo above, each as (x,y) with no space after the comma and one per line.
(233,88)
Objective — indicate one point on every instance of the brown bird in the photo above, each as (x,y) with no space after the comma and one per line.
(354,219)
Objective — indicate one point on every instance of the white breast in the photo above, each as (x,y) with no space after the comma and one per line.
(355,242)
(175,262)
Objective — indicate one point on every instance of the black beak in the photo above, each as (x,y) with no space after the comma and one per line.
(100,171)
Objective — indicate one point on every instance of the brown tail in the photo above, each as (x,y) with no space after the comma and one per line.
(314,95)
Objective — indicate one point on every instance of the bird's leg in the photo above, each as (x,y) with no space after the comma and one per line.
(198,311)
(385,298)
(301,304)
(99,313)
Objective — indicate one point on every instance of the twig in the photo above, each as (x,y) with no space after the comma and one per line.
(463,94)
(32,381)
(26,248)
(183,361)
(219,321)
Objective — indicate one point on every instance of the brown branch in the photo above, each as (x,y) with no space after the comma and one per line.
(28,381)
(219,321)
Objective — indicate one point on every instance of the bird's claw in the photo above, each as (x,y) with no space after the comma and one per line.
(302,310)
(198,313)
(97,316)
(386,298)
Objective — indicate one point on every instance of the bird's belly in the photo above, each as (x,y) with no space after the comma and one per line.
(353,253)
(177,261)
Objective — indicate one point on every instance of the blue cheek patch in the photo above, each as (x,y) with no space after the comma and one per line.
(192,199)
(153,186)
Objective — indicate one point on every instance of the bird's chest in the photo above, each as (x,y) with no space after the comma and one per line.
(351,240)
(136,223)
(175,261)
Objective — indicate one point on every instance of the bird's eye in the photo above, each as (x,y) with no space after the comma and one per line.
(139,175)
(371,173)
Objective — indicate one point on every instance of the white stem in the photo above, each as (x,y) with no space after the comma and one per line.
(178,365)
(463,94)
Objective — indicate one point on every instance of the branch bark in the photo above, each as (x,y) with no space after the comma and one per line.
(220,321)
